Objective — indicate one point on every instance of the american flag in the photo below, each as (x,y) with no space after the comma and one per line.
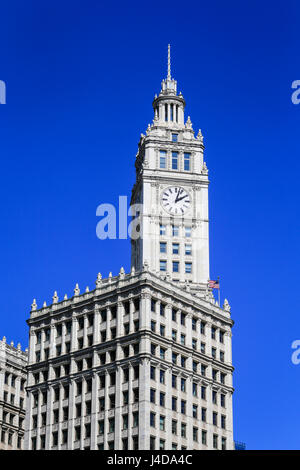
(214,284)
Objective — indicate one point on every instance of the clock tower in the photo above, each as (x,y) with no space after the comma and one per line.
(171,194)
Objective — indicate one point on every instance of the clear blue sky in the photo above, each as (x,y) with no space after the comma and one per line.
(81,76)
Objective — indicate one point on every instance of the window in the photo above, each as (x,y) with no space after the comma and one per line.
(203,369)
(223,421)
(162,423)
(188,232)
(183,406)
(222,356)
(222,400)
(174,426)
(175,266)
(162,376)
(174,358)
(152,395)
(174,137)
(174,404)
(162,230)
(223,443)
(163,247)
(152,443)
(153,349)
(215,418)
(215,441)
(175,230)
(183,385)
(194,389)
(162,309)
(135,419)
(153,326)
(175,248)
(174,160)
(203,414)
(195,434)
(174,315)
(214,374)
(125,398)
(162,353)
(152,373)
(188,268)
(222,379)
(174,335)
(162,330)
(187,161)
(202,347)
(204,438)
(182,319)
(162,399)
(221,336)
(188,249)
(111,425)
(195,411)
(125,421)
(214,397)
(183,361)
(183,430)
(174,381)
(101,404)
(152,419)
(213,352)
(163,265)
(161,444)
(182,339)
(213,332)
(163,159)
(202,328)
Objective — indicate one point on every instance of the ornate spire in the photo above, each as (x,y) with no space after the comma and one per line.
(169,62)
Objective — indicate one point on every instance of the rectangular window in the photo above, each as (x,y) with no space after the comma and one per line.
(162,330)
(162,230)
(163,265)
(204,438)
(162,423)
(162,353)
(183,430)
(174,404)
(163,247)
(175,265)
(152,419)
(163,159)
(187,162)
(174,381)
(162,376)
(194,343)
(175,230)
(152,395)
(175,248)
(174,160)
(215,418)
(174,335)
(188,232)
(188,268)
(162,399)
(174,137)
(174,427)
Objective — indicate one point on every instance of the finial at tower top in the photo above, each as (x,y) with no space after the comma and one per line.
(169,85)
(169,62)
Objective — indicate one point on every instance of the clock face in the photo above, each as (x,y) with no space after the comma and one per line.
(175,200)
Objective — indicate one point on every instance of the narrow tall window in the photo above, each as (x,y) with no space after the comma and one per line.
(174,160)
(187,162)
(163,159)
(166,112)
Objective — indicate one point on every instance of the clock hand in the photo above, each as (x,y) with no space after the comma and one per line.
(178,194)
(183,197)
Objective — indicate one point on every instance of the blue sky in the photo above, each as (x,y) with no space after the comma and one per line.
(81,77)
